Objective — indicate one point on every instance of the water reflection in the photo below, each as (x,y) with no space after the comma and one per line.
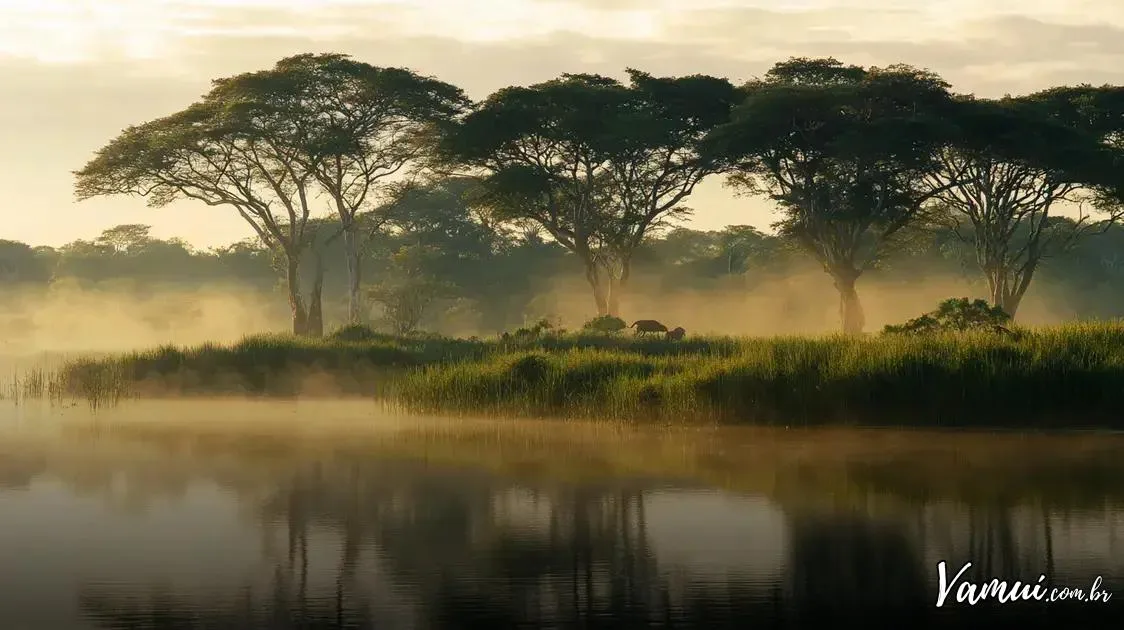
(109,532)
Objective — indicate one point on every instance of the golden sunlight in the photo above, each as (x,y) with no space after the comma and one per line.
(76,30)
(80,30)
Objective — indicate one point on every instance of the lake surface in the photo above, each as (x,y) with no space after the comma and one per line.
(341,515)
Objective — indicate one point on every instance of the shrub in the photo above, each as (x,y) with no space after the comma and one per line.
(956,315)
(605,324)
(535,331)
(354,332)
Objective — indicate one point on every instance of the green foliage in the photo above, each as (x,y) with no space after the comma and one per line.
(266,143)
(844,151)
(605,324)
(1057,377)
(407,302)
(849,121)
(967,379)
(854,158)
(956,315)
(597,164)
(22,264)
(1012,163)
(495,275)
(538,329)
(354,332)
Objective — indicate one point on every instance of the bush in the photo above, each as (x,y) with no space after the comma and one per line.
(605,324)
(537,330)
(956,315)
(354,332)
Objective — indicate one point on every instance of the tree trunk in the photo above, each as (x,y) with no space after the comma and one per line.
(315,326)
(617,285)
(998,287)
(850,308)
(600,294)
(355,313)
(613,303)
(1009,303)
(1007,278)
(1003,294)
(293,285)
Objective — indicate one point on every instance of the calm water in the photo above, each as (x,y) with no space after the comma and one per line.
(242,515)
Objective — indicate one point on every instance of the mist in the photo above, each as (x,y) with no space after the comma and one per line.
(71,319)
(66,317)
(801,301)
(98,299)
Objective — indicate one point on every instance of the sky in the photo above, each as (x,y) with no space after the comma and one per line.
(74,73)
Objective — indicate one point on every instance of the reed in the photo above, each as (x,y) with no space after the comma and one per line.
(1059,377)
(1066,376)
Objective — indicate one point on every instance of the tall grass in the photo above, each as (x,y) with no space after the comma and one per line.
(100,385)
(1065,376)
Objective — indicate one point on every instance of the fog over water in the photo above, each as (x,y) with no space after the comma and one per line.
(227,514)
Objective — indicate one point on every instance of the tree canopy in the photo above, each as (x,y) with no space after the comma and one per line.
(1013,162)
(596,163)
(843,150)
(323,153)
(268,143)
(352,128)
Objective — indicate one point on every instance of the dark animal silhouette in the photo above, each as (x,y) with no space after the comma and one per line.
(675,334)
(648,326)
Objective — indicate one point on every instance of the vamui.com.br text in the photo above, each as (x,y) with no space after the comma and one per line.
(955,588)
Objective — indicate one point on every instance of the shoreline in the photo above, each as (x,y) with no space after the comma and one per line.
(1065,377)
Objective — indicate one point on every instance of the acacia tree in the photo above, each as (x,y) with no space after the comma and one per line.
(354,128)
(126,237)
(223,152)
(596,163)
(1016,160)
(843,150)
(655,164)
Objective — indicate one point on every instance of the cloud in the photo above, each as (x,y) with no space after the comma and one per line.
(989,55)
(736,41)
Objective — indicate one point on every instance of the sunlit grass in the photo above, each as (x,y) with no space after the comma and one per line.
(1062,376)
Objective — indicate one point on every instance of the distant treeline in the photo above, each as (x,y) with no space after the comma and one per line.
(864,165)
(439,260)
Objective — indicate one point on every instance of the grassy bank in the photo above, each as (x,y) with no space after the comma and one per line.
(1066,376)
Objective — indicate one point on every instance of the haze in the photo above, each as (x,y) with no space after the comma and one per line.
(75,72)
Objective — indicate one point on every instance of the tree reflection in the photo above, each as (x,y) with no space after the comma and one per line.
(844,566)
(280,610)
(360,542)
